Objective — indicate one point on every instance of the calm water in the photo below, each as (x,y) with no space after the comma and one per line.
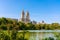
(41,34)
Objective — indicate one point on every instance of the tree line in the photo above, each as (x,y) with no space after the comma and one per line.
(9,24)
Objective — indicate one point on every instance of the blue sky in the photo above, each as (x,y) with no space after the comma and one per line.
(47,10)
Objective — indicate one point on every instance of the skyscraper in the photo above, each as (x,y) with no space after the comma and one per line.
(27,19)
(22,16)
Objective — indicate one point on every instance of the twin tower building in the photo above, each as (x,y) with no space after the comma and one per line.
(25,17)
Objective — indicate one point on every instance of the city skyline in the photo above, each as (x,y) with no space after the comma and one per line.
(47,10)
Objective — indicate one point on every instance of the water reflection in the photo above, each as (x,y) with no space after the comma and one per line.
(41,36)
(34,35)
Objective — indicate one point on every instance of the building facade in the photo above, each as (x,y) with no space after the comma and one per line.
(25,18)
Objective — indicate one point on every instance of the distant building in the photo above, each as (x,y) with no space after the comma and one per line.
(43,22)
(13,19)
(22,19)
(34,22)
(25,18)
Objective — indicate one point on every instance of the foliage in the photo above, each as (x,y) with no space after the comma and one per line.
(49,38)
(13,35)
(9,24)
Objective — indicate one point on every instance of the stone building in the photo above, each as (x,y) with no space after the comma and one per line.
(22,19)
(25,18)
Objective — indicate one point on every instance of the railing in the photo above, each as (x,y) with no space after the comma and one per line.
(40,30)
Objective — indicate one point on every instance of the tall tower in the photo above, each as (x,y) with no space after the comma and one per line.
(27,17)
(22,16)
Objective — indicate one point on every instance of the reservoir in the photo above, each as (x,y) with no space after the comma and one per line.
(41,34)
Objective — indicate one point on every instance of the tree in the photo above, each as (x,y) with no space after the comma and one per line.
(50,38)
(22,26)
(54,25)
(30,26)
(4,20)
(4,27)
